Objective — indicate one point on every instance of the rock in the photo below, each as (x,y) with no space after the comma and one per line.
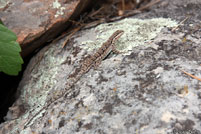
(39,21)
(142,90)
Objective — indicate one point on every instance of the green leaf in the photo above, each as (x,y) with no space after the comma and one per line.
(6,34)
(10,59)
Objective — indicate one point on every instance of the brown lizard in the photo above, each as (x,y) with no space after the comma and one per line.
(86,65)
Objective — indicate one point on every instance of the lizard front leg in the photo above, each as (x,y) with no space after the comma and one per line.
(114,50)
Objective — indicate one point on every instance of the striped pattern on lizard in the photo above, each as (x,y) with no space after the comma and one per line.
(91,61)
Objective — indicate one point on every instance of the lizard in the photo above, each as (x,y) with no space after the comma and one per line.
(90,61)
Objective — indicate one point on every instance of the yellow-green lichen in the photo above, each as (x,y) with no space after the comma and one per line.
(137,32)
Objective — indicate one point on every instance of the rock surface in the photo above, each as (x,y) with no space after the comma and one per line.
(142,90)
(38,21)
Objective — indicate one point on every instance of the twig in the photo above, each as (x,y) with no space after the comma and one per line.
(134,12)
(149,5)
(70,35)
(173,29)
(103,20)
(191,75)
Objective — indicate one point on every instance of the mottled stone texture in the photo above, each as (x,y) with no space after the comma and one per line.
(142,92)
(38,21)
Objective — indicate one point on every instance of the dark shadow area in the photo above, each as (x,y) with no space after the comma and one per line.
(9,86)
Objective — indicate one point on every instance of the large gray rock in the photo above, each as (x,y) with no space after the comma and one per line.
(142,90)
